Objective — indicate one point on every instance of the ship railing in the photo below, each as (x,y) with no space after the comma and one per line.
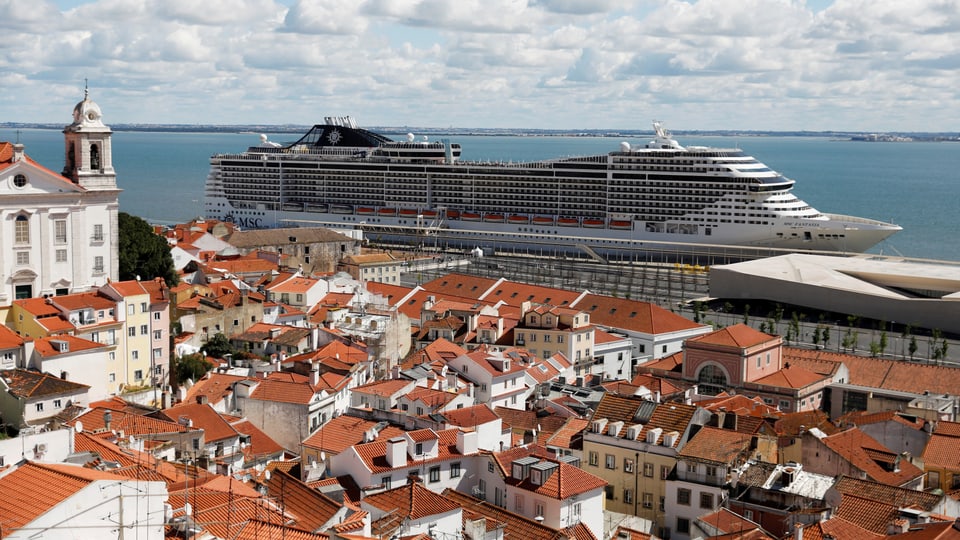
(855,219)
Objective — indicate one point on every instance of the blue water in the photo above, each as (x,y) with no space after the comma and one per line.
(914,185)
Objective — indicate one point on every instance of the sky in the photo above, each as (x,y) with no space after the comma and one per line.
(786,65)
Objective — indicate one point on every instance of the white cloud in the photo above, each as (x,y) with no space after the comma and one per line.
(546,63)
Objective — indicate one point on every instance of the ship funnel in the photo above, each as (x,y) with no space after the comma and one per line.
(624,146)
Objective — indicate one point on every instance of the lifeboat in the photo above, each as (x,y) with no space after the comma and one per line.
(342,209)
(315,208)
(453,214)
(543,220)
(470,216)
(494,218)
(408,212)
(387,211)
(519,220)
(592,223)
(621,224)
(430,214)
(568,222)
(363,211)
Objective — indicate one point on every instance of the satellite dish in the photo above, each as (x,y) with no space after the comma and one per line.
(78,427)
(266,474)
(624,146)
(410,137)
(188,509)
(323,456)
(130,439)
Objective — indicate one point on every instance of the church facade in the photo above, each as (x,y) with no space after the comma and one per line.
(58,231)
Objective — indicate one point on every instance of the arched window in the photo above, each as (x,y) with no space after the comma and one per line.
(21,231)
(711,380)
(94,156)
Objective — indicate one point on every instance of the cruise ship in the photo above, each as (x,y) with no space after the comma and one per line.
(660,193)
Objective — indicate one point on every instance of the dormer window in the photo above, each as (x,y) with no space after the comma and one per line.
(419,449)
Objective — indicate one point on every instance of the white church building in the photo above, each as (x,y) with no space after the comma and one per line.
(58,232)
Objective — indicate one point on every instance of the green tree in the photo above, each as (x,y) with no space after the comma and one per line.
(883,341)
(826,337)
(912,349)
(142,253)
(874,349)
(191,366)
(217,347)
(816,337)
(746,314)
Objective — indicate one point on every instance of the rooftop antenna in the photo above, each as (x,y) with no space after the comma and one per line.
(86,89)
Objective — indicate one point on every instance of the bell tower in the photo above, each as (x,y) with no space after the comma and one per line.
(88,149)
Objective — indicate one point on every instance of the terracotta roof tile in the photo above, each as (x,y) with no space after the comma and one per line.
(214,387)
(344,431)
(863,452)
(469,417)
(410,501)
(791,377)
(204,417)
(311,508)
(718,446)
(515,526)
(739,336)
(27,384)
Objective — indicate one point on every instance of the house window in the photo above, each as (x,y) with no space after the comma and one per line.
(518,502)
(112,377)
(157,354)
(560,339)
(434,474)
(156,316)
(61,255)
(627,465)
(419,449)
(98,233)
(664,472)
(132,331)
(611,461)
(663,503)
(664,348)
(143,307)
(39,407)
(386,480)
(144,330)
(23,258)
(648,470)
(157,334)
(455,470)
(538,507)
(608,491)
(593,458)
(21,228)
(933,479)
(706,500)
(138,375)
(56,404)
(98,263)
(711,470)
(683,525)
(131,309)
(628,496)
(748,514)
(60,231)
(490,466)
(648,500)
(683,496)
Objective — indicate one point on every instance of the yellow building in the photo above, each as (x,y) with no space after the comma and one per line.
(632,443)
(545,330)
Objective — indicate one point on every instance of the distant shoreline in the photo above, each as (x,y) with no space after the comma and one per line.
(466,132)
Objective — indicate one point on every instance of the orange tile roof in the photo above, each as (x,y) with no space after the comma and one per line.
(35,488)
(469,417)
(718,446)
(261,445)
(516,526)
(740,336)
(9,339)
(130,424)
(410,501)
(214,387)
(374,454)
(128,288)
(633,315)
(204,417)
(27,384)
(45,346)
(791,377)
(385,388)
(284,391)
(311,508)
(863,452)
(838,528)
(344,431)
(897,375)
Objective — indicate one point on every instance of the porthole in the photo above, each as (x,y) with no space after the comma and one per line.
(20,180)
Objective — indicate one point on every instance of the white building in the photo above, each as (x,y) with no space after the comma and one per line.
(70,501)
(59,232)
(498,378)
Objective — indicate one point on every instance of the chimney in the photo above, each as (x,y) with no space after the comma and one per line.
(467,442)
(107,417)
(202,399)
(17,152)
(798,531)
(397,452)
(314,374)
